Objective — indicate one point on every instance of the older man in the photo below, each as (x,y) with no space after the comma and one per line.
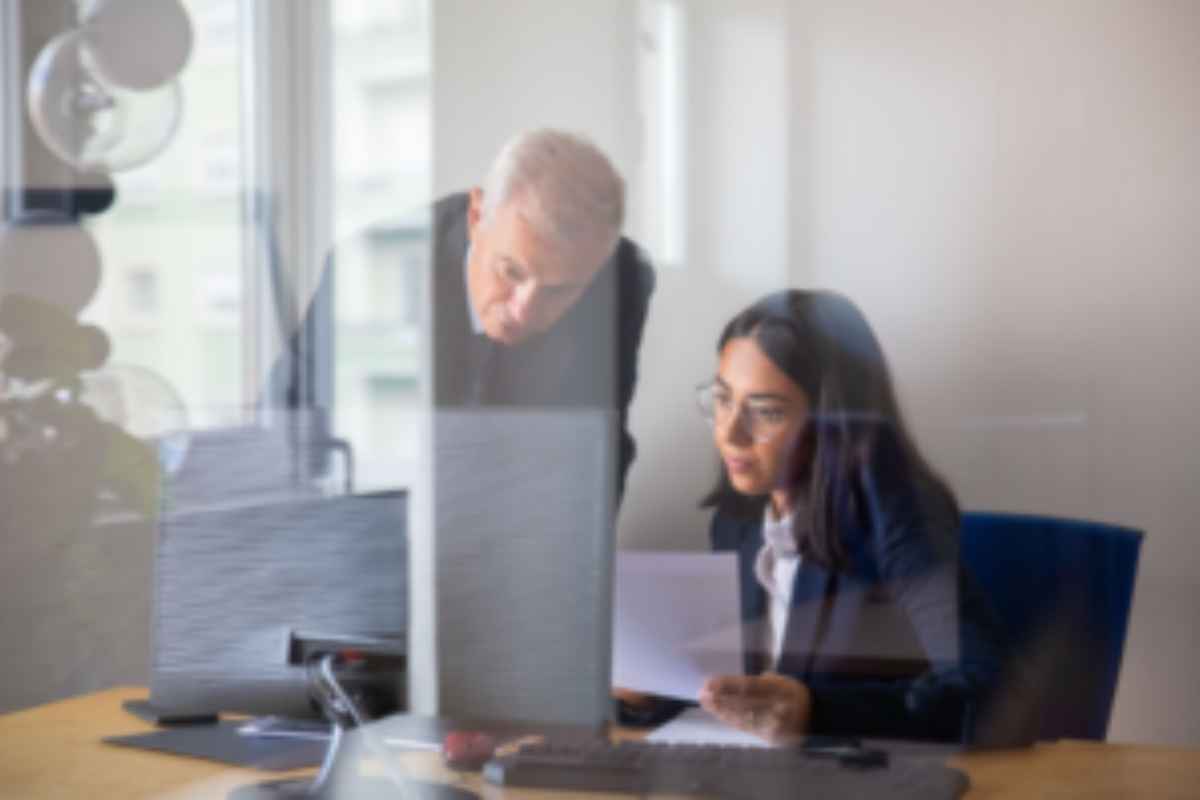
(538,299)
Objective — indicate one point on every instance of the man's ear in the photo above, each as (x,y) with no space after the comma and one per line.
(474,211)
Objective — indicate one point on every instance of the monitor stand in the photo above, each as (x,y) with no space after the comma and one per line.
(343,715)
(364,788)
(320,788)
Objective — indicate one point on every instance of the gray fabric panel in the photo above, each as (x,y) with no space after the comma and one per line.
(231,584)
(523,554)
(247,465)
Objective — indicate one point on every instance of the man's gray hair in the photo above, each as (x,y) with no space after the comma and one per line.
(563,185)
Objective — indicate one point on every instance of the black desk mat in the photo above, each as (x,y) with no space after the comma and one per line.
(222,742)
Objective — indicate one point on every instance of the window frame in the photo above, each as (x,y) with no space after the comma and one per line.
(287,145)
(10,107)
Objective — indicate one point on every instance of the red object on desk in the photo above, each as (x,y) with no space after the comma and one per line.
(467,749)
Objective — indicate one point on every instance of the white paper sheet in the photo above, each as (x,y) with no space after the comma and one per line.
(697,726)
(676,621)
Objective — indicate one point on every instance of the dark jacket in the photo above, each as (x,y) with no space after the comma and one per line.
(587,359)
(898,642)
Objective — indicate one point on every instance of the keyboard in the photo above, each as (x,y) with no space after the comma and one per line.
(720,770)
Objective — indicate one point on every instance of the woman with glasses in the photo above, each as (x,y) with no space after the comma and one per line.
(856,616)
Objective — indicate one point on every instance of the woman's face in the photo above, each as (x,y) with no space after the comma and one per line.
(759,415)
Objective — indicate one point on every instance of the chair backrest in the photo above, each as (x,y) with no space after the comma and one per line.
(1061,590)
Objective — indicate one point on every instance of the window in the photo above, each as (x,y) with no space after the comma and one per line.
(394,273)
(381,171)
(143,296)
(222,299)
(304,124)
(176,228)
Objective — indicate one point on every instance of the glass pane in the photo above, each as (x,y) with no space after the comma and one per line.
(171,245)
(381,164)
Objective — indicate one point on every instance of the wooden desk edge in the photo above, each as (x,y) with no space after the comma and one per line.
(55,749)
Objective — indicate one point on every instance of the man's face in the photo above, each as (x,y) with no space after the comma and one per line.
(518,284)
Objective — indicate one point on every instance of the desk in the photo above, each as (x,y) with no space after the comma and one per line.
(55,751)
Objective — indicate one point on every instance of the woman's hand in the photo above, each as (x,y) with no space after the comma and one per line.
(771,706)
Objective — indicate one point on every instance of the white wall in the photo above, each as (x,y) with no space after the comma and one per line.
(1010,192)
(500,68)
(739,211)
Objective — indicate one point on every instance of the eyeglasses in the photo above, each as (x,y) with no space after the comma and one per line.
(510,273)
(762,421)
(516,277)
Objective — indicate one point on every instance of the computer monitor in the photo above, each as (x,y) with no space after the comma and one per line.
(240,573)
(514,557)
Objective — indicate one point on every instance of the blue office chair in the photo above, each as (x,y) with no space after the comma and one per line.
(1061,590)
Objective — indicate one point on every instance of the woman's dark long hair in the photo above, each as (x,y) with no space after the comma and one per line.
(823,343)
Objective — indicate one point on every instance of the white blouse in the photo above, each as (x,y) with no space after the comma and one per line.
(776,567)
